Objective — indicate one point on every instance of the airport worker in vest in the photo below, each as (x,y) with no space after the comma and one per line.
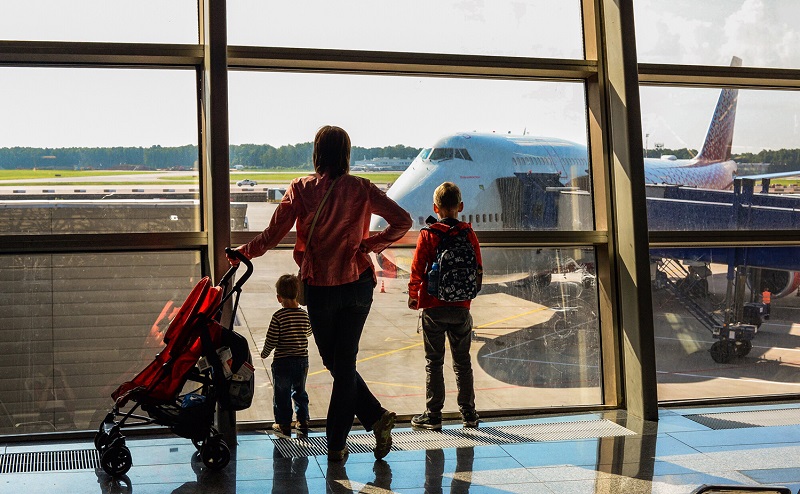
(766,299)
(332,211)
(445,276)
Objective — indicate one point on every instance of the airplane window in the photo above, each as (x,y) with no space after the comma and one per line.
(441,154)
(470,218)
(421,221)
(423,155)
(495,217)
(477,218)
(490,217)
(462,154)
(463,218)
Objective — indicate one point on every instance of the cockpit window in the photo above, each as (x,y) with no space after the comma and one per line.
(440,154)
(463,154)
(423,155)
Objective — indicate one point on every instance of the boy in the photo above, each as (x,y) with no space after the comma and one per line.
(441,318)
(288,335)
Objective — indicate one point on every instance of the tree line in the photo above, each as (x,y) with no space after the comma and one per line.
(262,156)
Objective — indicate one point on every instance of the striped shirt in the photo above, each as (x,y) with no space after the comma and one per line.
(288,334)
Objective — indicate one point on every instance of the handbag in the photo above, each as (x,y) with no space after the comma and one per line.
(301,291)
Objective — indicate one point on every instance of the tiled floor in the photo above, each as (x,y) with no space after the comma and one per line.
(674,455)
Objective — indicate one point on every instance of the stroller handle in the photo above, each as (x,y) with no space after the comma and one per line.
(229,274)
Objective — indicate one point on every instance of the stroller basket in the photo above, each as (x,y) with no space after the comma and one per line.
(194,332)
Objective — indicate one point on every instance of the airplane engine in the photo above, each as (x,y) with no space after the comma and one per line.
(780,282)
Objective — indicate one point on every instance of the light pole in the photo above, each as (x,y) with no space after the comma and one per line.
(646,139)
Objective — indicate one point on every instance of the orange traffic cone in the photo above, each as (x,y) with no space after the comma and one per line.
(383,290)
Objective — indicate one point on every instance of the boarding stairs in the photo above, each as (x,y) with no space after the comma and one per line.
(686,287)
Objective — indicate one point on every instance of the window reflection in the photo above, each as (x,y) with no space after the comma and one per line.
(76,326)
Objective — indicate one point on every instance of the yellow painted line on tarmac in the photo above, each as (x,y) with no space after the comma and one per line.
(374,356)
(511,317)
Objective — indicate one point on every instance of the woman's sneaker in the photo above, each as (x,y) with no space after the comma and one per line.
(427,420)
(383,434)
(338,454)
(470,418)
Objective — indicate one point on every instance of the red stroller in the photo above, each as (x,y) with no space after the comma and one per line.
(214,361)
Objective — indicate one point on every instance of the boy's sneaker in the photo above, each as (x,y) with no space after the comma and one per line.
(427,420)
(470,418)
(285,429)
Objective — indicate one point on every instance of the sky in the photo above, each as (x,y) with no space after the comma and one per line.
(59,107)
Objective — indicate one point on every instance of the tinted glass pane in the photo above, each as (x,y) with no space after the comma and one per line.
(535,334)
(711,32)
(76,326)
(715,336)
(699,140)
(530,28)
(146,21)
(97,151)
(516,149)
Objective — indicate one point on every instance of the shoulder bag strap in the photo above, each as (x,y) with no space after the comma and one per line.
(316,215)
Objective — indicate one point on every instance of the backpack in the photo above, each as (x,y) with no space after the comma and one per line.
(453,274)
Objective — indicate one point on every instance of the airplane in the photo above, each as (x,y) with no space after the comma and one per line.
(482,164)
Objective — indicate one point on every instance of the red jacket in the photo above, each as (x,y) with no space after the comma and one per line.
(343,225)
(424,257)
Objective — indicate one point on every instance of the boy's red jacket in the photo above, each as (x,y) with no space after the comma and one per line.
(424,257)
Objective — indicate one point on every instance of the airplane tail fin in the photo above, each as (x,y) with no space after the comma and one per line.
(717,146)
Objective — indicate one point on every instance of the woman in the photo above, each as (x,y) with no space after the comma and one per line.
(338,276)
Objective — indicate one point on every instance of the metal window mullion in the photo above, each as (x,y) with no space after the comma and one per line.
(421,64)
(72,54)
(629,228)
(719,76)
(101,242)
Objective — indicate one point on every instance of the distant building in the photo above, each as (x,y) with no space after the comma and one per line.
(381,165)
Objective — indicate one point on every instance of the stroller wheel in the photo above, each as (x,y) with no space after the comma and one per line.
(198,443)
(116,460)
(215,454)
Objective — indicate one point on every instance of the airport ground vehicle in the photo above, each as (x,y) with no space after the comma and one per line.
(246,182)
(202,364)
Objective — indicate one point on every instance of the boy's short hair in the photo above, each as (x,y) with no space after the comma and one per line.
(288,286)
(447,196)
